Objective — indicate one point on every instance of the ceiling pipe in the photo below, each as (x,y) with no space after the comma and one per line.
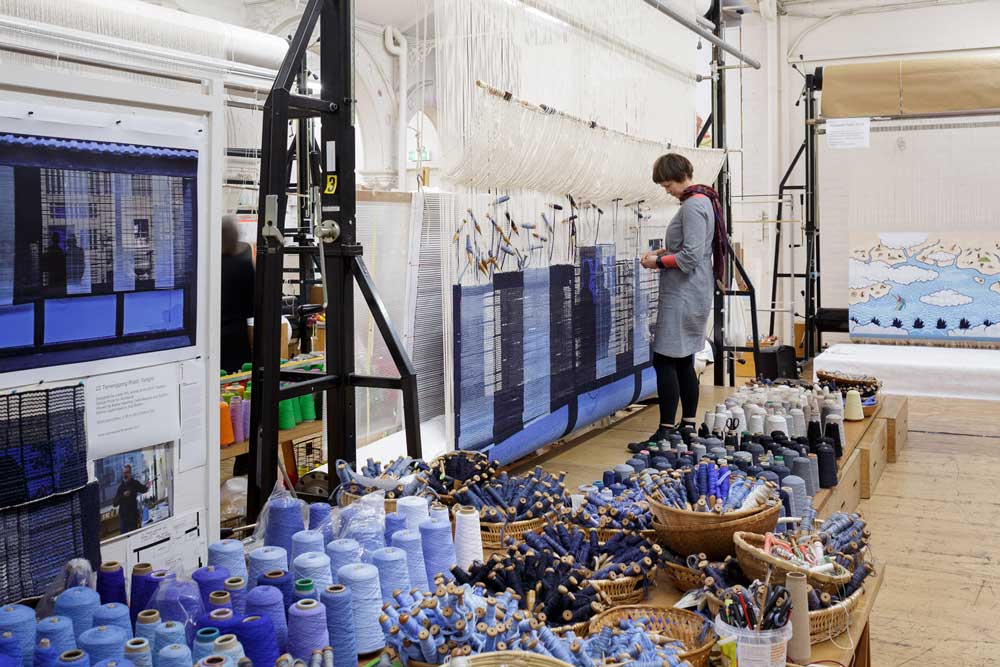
(396,44)
(663,8)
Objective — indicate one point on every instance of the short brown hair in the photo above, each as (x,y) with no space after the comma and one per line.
(672,167)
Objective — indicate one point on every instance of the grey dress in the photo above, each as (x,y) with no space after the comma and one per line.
(686,293)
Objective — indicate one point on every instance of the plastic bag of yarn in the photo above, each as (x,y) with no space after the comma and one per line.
(282,516)
(233,497)
(364,522)
(178,600)
(76,572)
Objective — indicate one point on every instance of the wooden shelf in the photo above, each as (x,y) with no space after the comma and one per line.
(288,436)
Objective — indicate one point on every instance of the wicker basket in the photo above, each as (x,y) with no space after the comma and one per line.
(825,624)
(684,626)
(581,629)
(346,498)
(671,517)
(755,563)
(716,540)
(623,590)
(683,578)
(605,534)
(447,498)
(494,534)
(513,659)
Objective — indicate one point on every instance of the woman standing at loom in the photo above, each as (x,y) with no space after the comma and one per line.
(695,240)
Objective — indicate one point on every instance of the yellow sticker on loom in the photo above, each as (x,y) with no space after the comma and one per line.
(331,184)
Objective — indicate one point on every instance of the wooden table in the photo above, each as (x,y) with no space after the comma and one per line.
(286,443)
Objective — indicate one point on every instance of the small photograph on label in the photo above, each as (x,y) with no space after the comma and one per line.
(136,489)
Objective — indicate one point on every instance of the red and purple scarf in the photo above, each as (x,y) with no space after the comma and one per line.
(720,245)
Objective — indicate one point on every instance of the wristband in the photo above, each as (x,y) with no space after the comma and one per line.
(667,261)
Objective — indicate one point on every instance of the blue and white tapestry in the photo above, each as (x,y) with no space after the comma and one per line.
(916,285)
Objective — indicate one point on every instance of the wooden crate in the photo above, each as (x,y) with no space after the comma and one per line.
(896,412)
(874,456)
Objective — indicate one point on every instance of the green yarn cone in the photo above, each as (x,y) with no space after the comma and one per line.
(223,372)
(228,397)
(286,415)
(247,367)
(297,411)
(307,406)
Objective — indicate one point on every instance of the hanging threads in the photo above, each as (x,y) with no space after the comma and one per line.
(306,541)
(105,642)
(340,623)
(45,654)
(73,658)
(111,583)
(228,554)
(58,630)
(315,566)
(264,559)
(394,522)
(138,652)
(361,580)
(268,601)
(219,600)
(204,642)
(141,589)
(228,646)
(146,624)
(393,575)
(414,508)
(281,580)
(307,629)
(79,604)
(237,589)
(343,552)
(284,519)
(468,537)
(174,655)
(209,578)
(116,614)
(439,549)
(411,542)
(256,634)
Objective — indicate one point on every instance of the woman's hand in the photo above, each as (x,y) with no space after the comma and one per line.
(650,260)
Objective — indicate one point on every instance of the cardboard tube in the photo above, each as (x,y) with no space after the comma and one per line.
(799,648)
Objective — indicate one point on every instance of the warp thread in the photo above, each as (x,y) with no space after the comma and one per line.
(204,642)
(219,600)
(174,655)
(19,621)
(284,519)
(58,630)
(73,658)
(414,508)
(169,632)
(827,460)
(394,522)
(306,541)
(281,580)
(210,578)
(141,589)
(237,589)
(146,624)
(228,554)
(139,652)
(366,599)
(307,628)
(229,646)
(45,655)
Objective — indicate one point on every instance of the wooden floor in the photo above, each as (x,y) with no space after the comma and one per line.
(934,516)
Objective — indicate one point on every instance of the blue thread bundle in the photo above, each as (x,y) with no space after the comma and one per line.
(228,646)
(105,642)
(281,580)
(265,559)
(284,519)
(174,655)
(393,573)
(19,621)
(140,590)
(340,623)
(10,646)
(114,613)
(394,522)
(228,554)
(256,634)
(139,651)
(146,624)
(209,578)
(204,643)
(315,566)
(59,631)
(307,629)
(342,552)
(306,541)
(73,658)
(237,589)
(45,654)
(78,604)
(439,548)
(169,632)
(366,599)
(268,601)
(411,542)
(319,515)
(111,583)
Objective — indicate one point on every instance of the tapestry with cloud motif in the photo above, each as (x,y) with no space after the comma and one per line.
(924,286)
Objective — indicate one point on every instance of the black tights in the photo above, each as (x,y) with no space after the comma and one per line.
(676,382)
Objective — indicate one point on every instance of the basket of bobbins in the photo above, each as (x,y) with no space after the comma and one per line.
(453,470)
(397,479)
(619,508)
(675,625)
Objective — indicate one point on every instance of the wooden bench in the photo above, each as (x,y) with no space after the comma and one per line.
(896,412)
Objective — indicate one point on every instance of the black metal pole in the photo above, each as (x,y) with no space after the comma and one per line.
(777,239)
(722,361)
(810,220)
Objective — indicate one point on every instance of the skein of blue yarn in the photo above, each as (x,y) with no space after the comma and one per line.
(284,519)
(307,630)
(204,641)
(169,632)
(209,578)
(116,614)
(103,643)
(411,542)
(267,601)
(256,633)
(306,541)
(439,548)
(342,552)
(361,579)
(237,589)
(73,658)
(174,655)
(78,604)
(45,654)
(315,566)
(281,580)
(228,554)
(59,631)
(340,623)
(394,522)
(265,559)
(393,575)
(19,621)
(111,583)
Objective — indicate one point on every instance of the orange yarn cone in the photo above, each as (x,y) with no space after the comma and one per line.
(226,436)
